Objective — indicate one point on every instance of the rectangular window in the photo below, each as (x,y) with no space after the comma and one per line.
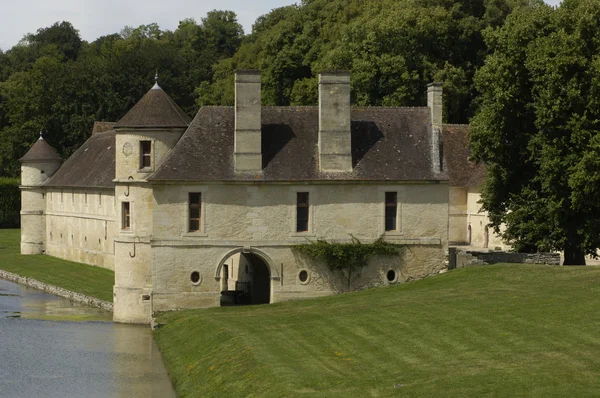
(85,198)
(145,152)
(301,211)
(195,206)
(125,215)
(99,200)
(391,211)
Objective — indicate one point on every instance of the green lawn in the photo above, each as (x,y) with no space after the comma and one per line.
(502,330)
(92,281)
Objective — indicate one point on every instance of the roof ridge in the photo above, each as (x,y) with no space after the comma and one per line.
(176,108)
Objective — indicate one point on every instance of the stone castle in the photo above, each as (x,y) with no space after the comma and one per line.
(198,213)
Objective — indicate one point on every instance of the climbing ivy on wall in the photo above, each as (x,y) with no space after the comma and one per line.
(347,259)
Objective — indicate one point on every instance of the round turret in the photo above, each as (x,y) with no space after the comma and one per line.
(38,164)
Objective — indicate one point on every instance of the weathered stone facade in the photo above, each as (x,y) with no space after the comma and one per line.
(131,212)
(80,225)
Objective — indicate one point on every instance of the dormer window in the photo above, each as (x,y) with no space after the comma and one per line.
(145,154)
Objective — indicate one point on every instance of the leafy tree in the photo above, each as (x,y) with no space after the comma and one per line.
(52,80)
(393,48)
(63,36)
(538,128)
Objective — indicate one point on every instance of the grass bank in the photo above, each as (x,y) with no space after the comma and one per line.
(91,281)
(502,330)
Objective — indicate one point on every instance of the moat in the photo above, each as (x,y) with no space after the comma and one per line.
(52,347)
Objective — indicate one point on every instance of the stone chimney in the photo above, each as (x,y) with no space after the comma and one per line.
(334,122)
(247,137)
(434,102)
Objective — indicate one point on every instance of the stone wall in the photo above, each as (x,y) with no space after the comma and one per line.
(80,225)
(478,221)
(261,219)
(468,258)
(457,232)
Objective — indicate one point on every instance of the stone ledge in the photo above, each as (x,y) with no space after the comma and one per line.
(278,243)
(57,291)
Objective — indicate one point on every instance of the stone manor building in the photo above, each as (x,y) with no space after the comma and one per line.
(203,212)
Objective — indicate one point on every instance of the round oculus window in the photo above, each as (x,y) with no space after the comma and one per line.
(303,276)
(195,277)
(391,276)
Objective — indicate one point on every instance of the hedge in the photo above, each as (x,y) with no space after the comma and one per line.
(10,203)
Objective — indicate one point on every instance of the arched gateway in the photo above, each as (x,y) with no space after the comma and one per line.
(245,277)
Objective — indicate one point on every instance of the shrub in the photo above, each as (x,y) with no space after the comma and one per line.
(10,203)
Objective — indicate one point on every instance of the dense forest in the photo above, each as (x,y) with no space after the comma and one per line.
(55,81)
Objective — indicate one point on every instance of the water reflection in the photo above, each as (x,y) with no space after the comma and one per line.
(41,358)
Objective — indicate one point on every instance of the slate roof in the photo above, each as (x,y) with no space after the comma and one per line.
(91,166)
(41,151)
(155,110)
(388,144)
(462,171)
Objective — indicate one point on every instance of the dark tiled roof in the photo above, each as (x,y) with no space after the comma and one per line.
(91,166)
(40,151)
(155,109)
(100,127)
(388,144)
(463,172)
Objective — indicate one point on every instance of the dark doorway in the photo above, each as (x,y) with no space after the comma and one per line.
(252,281)
(261,280)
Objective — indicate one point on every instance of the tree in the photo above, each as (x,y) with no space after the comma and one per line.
(61,35)
(538,128)
(392,47)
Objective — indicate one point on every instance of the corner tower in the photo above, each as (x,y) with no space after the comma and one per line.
(38,164)
(144,136)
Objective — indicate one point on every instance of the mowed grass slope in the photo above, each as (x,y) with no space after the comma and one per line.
(92,281)
(502,330)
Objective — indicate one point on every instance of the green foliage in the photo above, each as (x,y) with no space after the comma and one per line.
(10,203)
(538,129)
(347,259)
(392,47)
(52,80)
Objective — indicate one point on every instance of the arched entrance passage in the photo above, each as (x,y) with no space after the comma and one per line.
(245,277)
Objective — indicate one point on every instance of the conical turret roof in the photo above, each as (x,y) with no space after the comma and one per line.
(155,110)
(41,151)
